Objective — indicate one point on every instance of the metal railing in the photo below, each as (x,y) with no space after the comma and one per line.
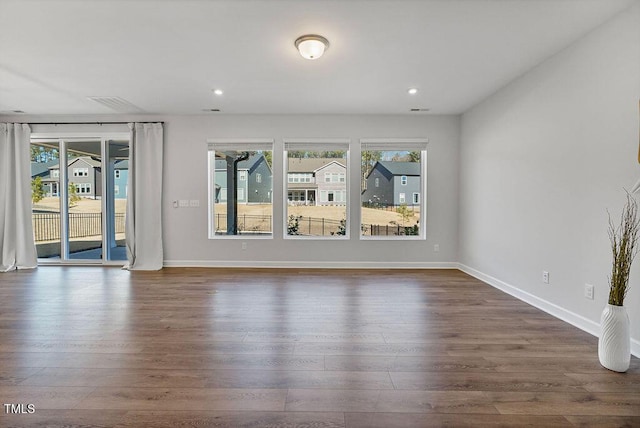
(247,224)
(46,226)
(388,230)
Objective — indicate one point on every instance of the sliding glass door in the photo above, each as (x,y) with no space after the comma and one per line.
(79,191)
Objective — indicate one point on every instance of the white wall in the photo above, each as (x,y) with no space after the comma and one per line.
(540,163)
(185,177)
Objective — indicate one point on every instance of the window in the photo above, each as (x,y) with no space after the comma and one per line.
(316,208)
(300,178)
(80,172)
(83,188)
(252,214)
(386,212)
(116,174)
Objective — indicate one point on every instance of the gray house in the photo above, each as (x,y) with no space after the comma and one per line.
(316,181)
(43,170)
(254,180)
(392,183)
(83,172)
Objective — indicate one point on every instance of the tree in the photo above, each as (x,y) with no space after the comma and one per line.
(37,190)
(342,228)
(268,155)
(43,154)
(368,160)
(414,156)
(73,195)
(293,225)
(304,154)
(405,213)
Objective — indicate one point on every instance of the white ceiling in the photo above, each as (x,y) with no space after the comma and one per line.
(166,56)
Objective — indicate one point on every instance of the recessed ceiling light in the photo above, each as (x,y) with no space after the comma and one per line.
(218,91)
(412,91)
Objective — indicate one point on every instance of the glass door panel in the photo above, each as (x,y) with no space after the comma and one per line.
(116,181)
(84,199)
(45,197)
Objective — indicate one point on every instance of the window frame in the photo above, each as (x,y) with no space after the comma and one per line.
(400,144)
(251,144)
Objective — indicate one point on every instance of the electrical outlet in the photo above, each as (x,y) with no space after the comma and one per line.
(436,248)
(588,291)
(545,276)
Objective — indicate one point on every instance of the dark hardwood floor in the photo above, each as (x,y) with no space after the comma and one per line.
(101,347)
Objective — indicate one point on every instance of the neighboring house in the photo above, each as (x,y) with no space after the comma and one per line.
(42,170)
(393,183)
(120,177)
(83,172)
(317,181)
(254,180)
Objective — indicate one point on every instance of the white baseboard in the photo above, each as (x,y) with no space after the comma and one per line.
(310,264)
(572,318)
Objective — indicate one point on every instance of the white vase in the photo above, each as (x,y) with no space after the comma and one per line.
(614,345)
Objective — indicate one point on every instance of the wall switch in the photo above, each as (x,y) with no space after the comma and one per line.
(588,291)
(436,248)
(244,246)
(175,204)
(545,276)
(183,203)
(194,203)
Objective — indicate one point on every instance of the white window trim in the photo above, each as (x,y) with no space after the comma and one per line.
(221,143)
(313,144)
(77,171)
(403,144)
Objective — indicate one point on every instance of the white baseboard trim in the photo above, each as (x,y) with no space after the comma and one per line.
(309,264)
(572,318)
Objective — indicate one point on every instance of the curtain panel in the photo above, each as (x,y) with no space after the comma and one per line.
(17,245)
(143,223)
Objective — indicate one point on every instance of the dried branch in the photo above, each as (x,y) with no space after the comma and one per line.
(624,240)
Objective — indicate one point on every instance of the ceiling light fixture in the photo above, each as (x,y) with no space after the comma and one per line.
(218,91)
(412,91)
(311,46)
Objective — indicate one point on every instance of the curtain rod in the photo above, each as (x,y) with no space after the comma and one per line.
(86,123)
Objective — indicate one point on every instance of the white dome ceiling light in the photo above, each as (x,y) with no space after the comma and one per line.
(311,46)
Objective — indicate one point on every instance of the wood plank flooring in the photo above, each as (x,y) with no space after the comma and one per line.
(102,347)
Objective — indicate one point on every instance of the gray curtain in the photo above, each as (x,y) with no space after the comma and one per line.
(143,223)
(17,245)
